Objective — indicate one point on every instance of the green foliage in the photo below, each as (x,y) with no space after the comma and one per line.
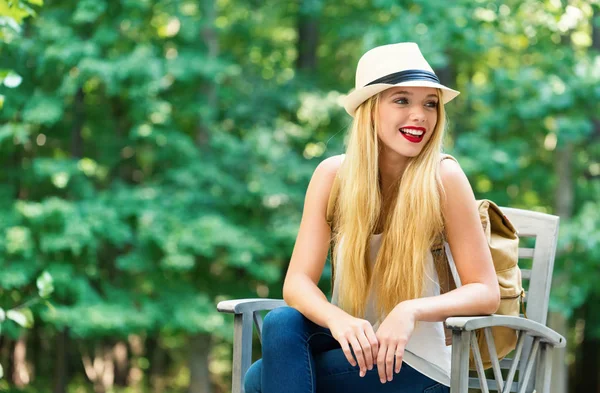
(22,314)
(155,159)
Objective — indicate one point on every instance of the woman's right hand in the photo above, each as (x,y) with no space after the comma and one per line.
(358,334)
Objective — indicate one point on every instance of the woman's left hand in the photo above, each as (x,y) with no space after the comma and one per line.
(392,335)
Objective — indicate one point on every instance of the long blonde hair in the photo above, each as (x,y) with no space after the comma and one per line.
(414,220)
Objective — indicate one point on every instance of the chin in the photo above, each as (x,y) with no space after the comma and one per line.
(408,152)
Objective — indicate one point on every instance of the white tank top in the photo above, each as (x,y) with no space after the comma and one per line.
(426,350)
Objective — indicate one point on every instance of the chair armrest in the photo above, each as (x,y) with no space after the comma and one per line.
(533,328)
(240,306)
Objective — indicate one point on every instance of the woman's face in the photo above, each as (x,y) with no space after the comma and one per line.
(407,118)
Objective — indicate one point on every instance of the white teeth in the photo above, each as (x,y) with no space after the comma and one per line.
(412,132)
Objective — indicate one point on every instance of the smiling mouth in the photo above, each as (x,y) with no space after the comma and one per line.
(412,135)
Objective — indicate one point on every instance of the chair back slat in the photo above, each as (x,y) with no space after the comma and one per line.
(525,253)
(544,228)
(538,234)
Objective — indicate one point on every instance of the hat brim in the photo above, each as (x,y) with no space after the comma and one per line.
(358,96)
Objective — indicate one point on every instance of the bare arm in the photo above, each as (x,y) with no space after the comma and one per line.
(300,289)
(479,293)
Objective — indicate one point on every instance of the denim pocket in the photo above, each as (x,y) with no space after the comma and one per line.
(437,388)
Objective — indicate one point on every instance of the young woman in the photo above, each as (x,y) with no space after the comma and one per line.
(383,330)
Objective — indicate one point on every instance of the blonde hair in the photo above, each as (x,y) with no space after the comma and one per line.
(409,229)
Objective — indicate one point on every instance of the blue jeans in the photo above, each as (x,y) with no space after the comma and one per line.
(300,356)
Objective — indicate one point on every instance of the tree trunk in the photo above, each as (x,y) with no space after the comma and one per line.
(587,372)
(78,121)
(587,366)
(157,371)
(20,375)
(208,89)
(137,349)
(308,37)
(60,362)
(564,209)
(199,374)
(121,363)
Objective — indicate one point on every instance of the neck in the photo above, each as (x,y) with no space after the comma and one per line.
(391,169)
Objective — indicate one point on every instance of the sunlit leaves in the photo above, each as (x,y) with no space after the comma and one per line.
(23,317)
(152,171)
(88,11)
(43,109)
(45,285)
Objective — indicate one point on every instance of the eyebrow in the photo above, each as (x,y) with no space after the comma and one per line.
(410,94)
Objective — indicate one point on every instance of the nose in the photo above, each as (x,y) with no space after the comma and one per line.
(417,114)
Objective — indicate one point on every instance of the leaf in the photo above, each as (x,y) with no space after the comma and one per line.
(12,80)
(88,11)
(36,2)
(2,315)
(13,21)
(178,262)
(1,372)
(23,317)
(45,284)
(42,109)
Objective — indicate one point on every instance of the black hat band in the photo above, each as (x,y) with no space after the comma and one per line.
(405,76)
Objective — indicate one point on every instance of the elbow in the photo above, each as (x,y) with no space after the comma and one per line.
(286,295)
(494,298)
(288,292)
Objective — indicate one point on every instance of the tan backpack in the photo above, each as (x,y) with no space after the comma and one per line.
(503,241)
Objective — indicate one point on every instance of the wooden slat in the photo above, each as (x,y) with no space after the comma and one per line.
(259,323)
(505,363)
(479,364)
(459,368)
(489,339)
(525,253)
(242,349)
(526,274)
(544,370)
(524,234)
(474,384)
(524,381)
(513,369)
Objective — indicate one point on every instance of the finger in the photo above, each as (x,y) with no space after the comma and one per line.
(374,343)
(346,349)
(358,353)
(366,346)
(389,362)
(381,361)
(399,355)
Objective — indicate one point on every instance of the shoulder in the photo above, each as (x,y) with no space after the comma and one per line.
(326,172)
(322,182)
(457,189)
(450,171)
(329,166)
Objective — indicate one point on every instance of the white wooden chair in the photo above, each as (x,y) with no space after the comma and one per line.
(527,369)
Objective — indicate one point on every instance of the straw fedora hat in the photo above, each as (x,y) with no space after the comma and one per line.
(393,65)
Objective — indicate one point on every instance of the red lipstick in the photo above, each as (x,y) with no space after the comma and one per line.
(410,137)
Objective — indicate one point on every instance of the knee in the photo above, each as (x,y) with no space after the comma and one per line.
(252,378)
(280,322)
(282,318)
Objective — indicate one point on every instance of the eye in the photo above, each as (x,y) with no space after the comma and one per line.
(401,100)
(432,104)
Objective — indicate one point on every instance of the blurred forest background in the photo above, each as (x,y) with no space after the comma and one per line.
(155,156)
